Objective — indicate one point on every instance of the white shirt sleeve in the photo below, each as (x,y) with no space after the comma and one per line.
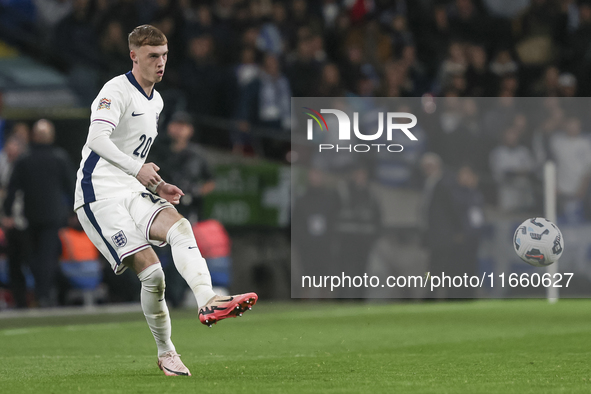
(100,143)
(107,110)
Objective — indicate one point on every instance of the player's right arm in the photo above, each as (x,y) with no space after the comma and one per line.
(107,111)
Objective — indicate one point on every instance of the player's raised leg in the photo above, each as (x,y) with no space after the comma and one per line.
(149,271)
(173,228)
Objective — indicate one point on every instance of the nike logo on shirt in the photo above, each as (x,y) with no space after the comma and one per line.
(192,247)
(134,114)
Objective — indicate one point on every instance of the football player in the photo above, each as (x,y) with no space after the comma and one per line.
(125,207)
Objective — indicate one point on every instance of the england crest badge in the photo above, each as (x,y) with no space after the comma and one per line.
(119,239)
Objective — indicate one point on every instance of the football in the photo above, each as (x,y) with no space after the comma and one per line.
(538,242)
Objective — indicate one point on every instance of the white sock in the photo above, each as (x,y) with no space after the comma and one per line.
(154,306)
(188,260)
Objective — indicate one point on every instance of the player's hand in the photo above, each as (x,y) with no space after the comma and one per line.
(170,193)
(148,175)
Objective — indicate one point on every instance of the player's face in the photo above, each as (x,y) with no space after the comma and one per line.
(151,61)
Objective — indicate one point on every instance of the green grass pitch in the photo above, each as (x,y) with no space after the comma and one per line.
(519,346)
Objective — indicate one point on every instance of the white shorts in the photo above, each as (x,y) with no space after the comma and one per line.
(120,227)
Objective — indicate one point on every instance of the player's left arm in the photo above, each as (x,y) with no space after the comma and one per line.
(169,192)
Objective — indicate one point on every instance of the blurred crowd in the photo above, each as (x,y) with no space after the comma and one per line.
(330,47)
(242,60)
(508,141)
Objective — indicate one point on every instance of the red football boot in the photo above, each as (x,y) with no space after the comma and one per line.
(220,307)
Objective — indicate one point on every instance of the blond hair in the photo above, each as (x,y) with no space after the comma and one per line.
(146,35)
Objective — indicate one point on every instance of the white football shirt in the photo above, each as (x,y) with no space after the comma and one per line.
(131,117)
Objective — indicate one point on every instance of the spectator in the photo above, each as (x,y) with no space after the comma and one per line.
(80,262)
(359,10)
(330,84)
(399,34)
(3,122)
(458,84)
(512,166)
(431,167)
(77,42)
(16,238)
(250,36)
(303,71)
(353,68)
(467,22)
(12,150)
(503,64)
(274,95)
(479,79)
(398,170)
(437,40)
(76,37)
(509,86)
(318,48)
(499,117)
(365,87)
(548,86)
(167,17)
(199,21)
(442,221)
(114,50)
(247,70)
(335,37)
(358,223)
(577,56)
(270,39)
(470,205)
(539,31)
(185,166)
(552,118)
(506,8)
(314,219)
(581,37)
(16,144)
(45,177)
(572,152)
(396,82)
(127,12)
(454,64)
(301,16)
(567,85)
(457,137)
(17,21)
(416,70)
(330,12)
(50,13)
(265,102)
(452,219)
(202,78)
(280,19)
